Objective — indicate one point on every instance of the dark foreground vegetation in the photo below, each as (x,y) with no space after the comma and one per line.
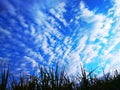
(57,79)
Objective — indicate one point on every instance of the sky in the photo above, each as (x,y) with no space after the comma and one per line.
(73,33)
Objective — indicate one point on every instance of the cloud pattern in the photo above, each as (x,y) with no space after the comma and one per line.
(34,33)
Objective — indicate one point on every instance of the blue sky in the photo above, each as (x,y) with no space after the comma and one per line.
(42,32)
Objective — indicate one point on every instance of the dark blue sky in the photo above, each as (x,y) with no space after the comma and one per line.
(37,32)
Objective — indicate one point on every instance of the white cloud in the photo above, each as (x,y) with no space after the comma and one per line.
(45,46)
(102,26)
(33,30)
(34,63)
(82,43)
(85,13)
(34,54)
(73,56)
(114,62)
(90,52)
(74,63)
(53,30)
(58,12)
(22,21)
(40,17)
(111,47)
(116,8)
(5,31)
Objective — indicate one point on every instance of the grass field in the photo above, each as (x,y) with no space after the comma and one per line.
(57,79)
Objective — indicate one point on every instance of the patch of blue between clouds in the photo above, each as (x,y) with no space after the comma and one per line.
(99,6)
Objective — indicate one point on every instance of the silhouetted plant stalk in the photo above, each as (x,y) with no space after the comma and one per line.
(4,75)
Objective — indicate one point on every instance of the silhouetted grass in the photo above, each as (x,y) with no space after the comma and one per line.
(4,75)
(57,79)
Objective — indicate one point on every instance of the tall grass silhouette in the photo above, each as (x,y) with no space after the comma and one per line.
(57,79)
